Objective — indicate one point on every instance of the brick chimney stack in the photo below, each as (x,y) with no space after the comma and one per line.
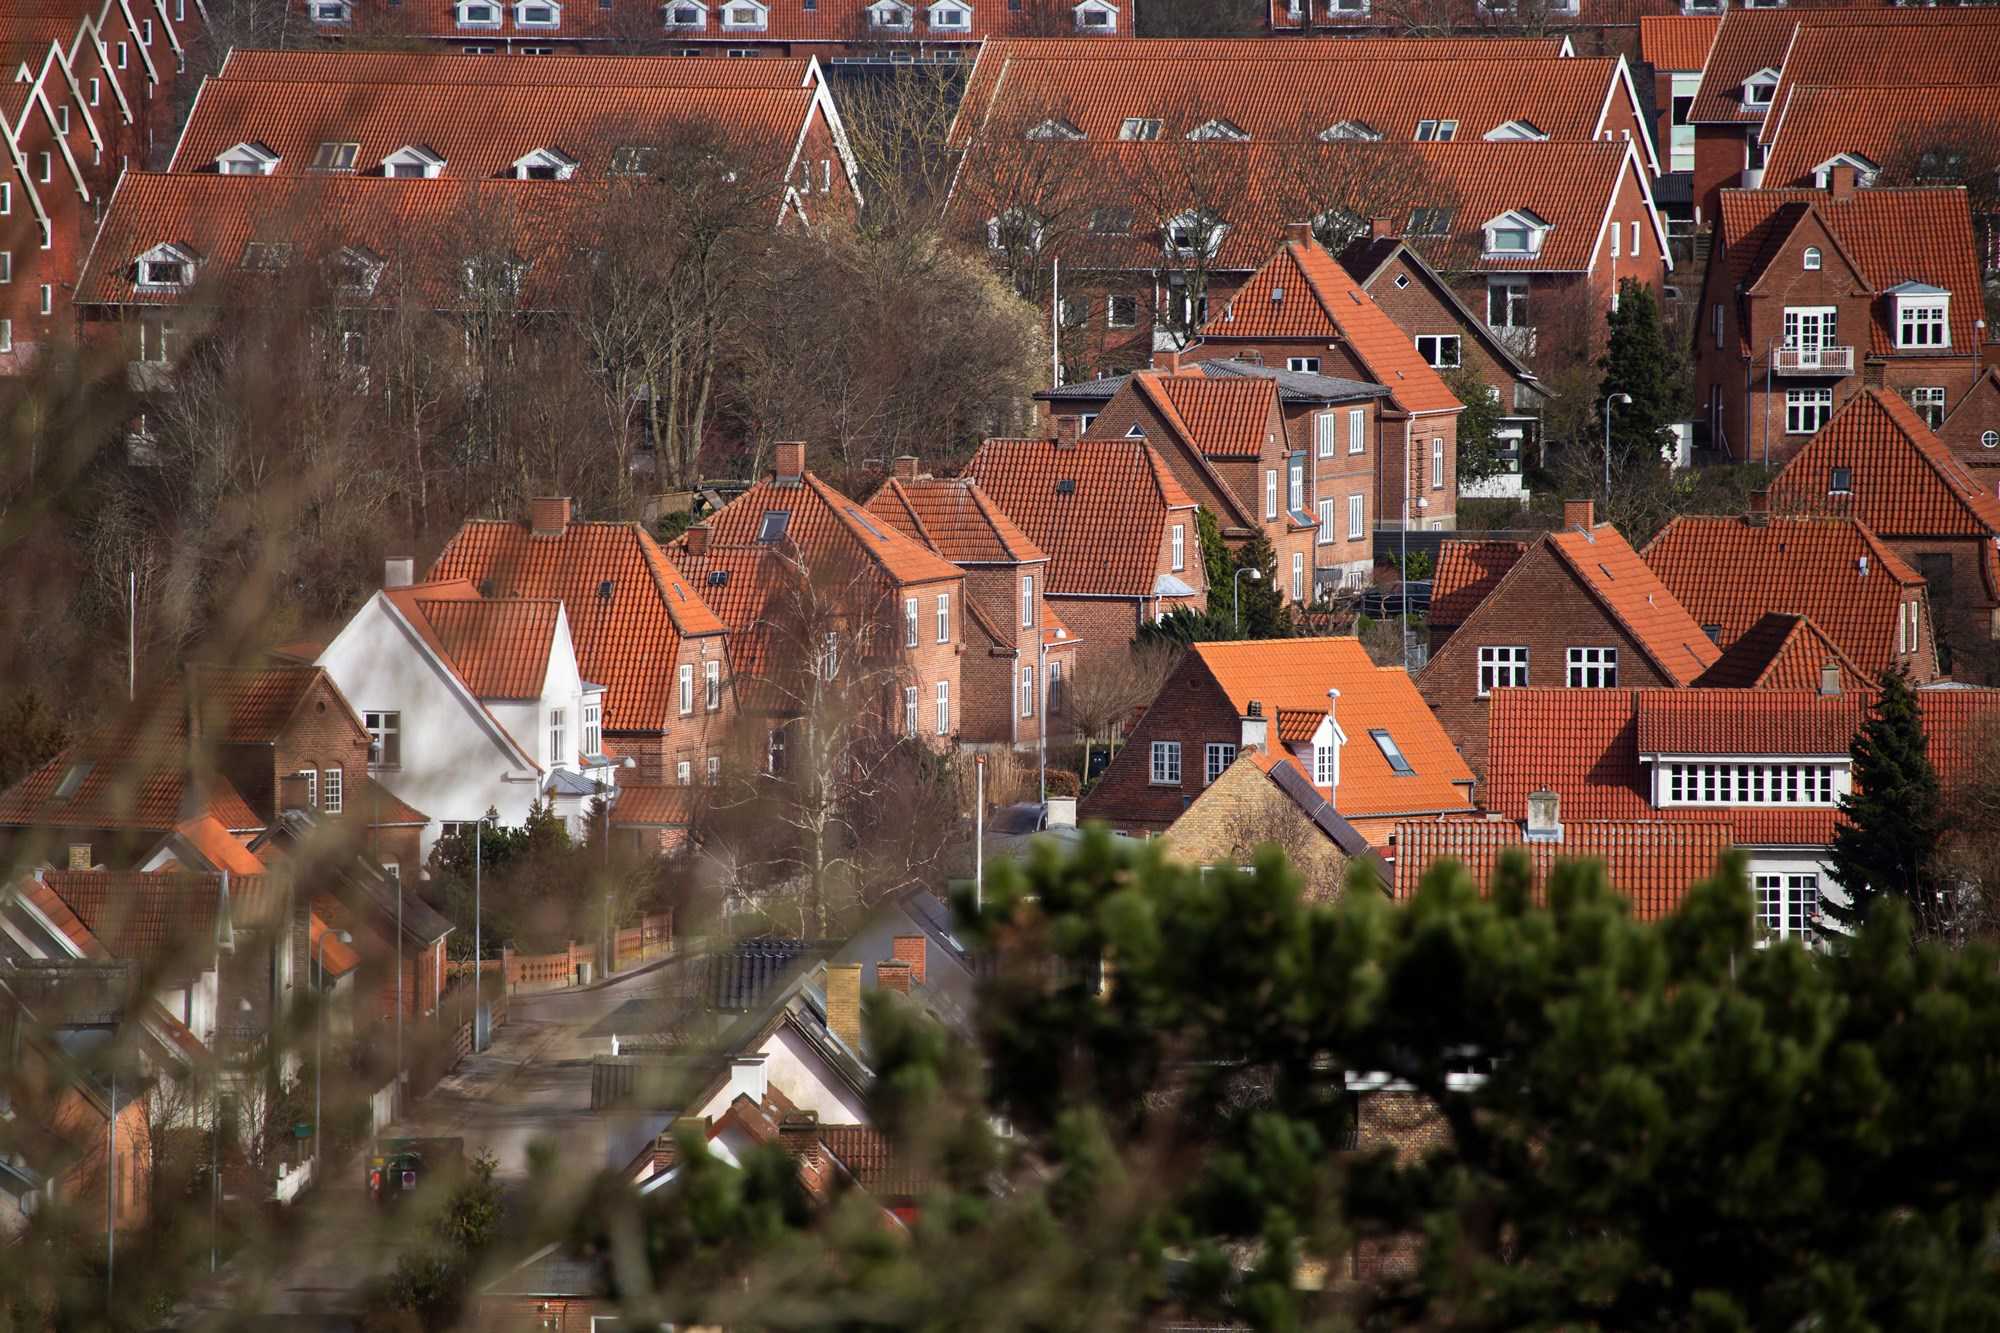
(1298,233)
(788,460)
(893,974)
(1580,514)
(1840,181)
(904,467)
(1381,228)
(548,516)
(911,949)
(1167,362)
(697,539)
(843,1001)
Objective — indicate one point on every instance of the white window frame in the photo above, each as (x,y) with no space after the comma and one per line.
(593,727)
(684,772)
(1326,764)
(1433,354)
(1437,462)
(711,685)
(1130,306)
(1502,665)
(1770,784)
(331,793)
(935,16)
(1807,410)
(759,23)
(1027,691)
(1928,402)
(1299,577)
(909,710)
(1923,323)
(1270,493)
(1786,904)
(1906,628)
(1357,516)
(461,13)
(1217,756)
(1324,433)
(1164,769)
(385,737)
(311,775)
(1027,601)
(1295,488)
(521,19)
(1357,431)
(1515,285)
(1302,365)
(909,622)
(687,688)
(674,8)
(558,736)
(944,708)
(1324,536)
(1177,547)
(1592,668)
(944,617)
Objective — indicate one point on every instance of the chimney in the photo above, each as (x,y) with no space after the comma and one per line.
(79,856)
(843,996)
(697,539)
(893,974)
(1380,228)
(1580,514)
(904,467)
(1545,809)
(788,460)
(1298,233)
(548,516)
(1059,812)
(1168,362)
(1760,502)
(1256,729)
(911,949)
(399,571)
(1840,181)
(1829,678)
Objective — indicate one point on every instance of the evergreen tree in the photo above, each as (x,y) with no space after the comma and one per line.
(1640,361)
(1894,817)
(1480,454)
(1264,614)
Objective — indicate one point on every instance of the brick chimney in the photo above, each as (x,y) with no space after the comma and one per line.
(1167,362)
(1298,233)
(1760,502)
(1840,181)
(843,1000)
(1256,727)
(697,539)
(788,460)
(904,467)
(1580,514)
(893,974)
(548,516)
(914,950)
(1381,228)
(399,571)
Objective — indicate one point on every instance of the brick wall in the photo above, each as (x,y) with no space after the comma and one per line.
(1419,309)
(1338,477)
(1191,709)
(1542,607)
(1718,164)
(930,661)
(1962,607)
(1240,812)
(323,735)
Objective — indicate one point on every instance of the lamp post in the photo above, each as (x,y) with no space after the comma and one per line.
(319,1047)
(1609,399)
(1236,591)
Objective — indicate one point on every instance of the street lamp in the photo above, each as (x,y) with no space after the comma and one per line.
(1236,590)
(319,1049)
(1609,399)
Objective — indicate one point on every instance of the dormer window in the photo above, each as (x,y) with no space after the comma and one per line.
(1219,129)
(1923,316)
(1436,131)
(413,162)
(266,256)
(1360,131)
(332,11)
(1701,6)
(889,14)
(745,16)
(1759,88)
(1525,131)
(949,16)
(538,14)
(1865,171)
(1096,16)
(1055,128)
(1139,129)
(356,270)
(477,14)
(165,268)
(1514,235)
(544,164)
(685,14)
(1194,232)
(493,275)
(1015,230)
(247,159)
(335,156)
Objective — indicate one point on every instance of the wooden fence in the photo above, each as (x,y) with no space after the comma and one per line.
(526,973)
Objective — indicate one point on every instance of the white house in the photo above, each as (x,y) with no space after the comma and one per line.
(473,703)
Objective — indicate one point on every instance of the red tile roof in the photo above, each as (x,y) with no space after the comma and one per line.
(1326,302)
(1289,675)
(383,807)
(337,959)
(220,848)
(1903,481)
(49,903)
(836,21)
(1889,127)
(1899,55)
(1466,572)
(1103,535)
(450,68)
(500,646)
(1747,722)
(621,640)
(1651,862)
(1805,566)
(654,807)
(1781,652)
(740,583)
(954,518)
(132,789)
(152,919)
(826,525)
(1750,40)
(1607,565)
(1677,42)
(1218,418)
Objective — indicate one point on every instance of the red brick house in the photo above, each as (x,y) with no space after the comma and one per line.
(1116,524)
(1675,47)
(1303,310)
(640,626)
(1358,732)
(1877,463)
(1844,581)
(1972,429)
(1466,571)
(1579,609)
(1813,296)
(1020,657)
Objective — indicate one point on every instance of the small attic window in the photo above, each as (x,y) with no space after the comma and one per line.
(1139,129)
(1759,88)
(889,14)
(1812,259)
(1110,221)
(1517,233)
(744,15)
(1219,129)
(685,14)
(544,164)
(1391,752)
(73,780)
(771,527)
(335,156)
(1436,131)
(862,519)
(633,159)
(948,17)
(1516,130)
(1841,482)
(1359,131)
(247,159)
(1067,485)
(332,11)
(165,266)
(538,14)
(478,14)
(1055,128)
(413,162)
(717,577)
(1137,432)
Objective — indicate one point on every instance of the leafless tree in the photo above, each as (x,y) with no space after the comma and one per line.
(1107,692)
(899,123)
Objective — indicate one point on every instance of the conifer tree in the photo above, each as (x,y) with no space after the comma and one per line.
(1893,816)
(1639,361)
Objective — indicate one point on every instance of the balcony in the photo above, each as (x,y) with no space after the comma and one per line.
(1812,360)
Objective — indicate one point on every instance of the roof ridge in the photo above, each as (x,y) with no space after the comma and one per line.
(1624,621)
(903,498)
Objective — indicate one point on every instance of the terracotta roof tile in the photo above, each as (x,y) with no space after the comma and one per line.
(866,1154)
(826,525)
(220,848)
(1103,532)
(1904,55)
(1677,42)
(1803,566)
(1903,481)
(1781,652)
(1466,572)
(50,905)
(383,807)
(451,68)
(1338,309)
(621,639)
(654,807)
(121,783)
(501,646)
(1750,40)
(1607,565)
(152,919)
(838,21)
(1651,862)
(336,958)
(954,518)
(740,583)
(1295,674)
(1890,127)
(1222,418)
(1747,722)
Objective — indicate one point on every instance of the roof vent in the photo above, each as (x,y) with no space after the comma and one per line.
(1277,296)
(604,590)
(1066,486)
(486,587)
(717,577)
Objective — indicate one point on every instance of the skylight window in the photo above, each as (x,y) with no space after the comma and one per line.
(1430,221)
(771,527)
(1436,131)
(335,156)
(633,159)
(73,780)
(1391,752)
(1111,221)
(1055,128)
(1139,128)
(862,519)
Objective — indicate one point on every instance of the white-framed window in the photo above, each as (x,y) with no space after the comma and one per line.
(1757,89)
(6,197)
(593,728)
(1299,576)
(1806,410)
(944,708)
(714,769)
(1786,904)
(1326,765)
(1437,463)
(687,688)
(944,617)
(331,781)
(538,14)
(1295,497)
(1439,349)
(1357,515)
(909,710)
(1052,701)
(1436,131)
(1324,434)
(96,91)
(711,683)
(1520,233)
(1357,431)
(332,156)
(1177,547)
(1633,250)
(1325,534)
(909,622)
(1753,784)
(478,14)
(1027,691)
(742,15)
(1989,439)
(684,773)
(1593,668)
(1500,666)
(1928,402)
(6,265)
(1906,628)
(1122,312)
(311,775)
(1166,764)
(165,266)
(1812,259)
(1216,757)
(889,14)
(557,755)
(1270,492)
(1027,601)
(687,14)
(48,298)
(1096,16)
(1302,365)
(157,336)
(948,17)
(385,739)
(1921,321)
(1507,302)
(1841,481)
(6,335)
